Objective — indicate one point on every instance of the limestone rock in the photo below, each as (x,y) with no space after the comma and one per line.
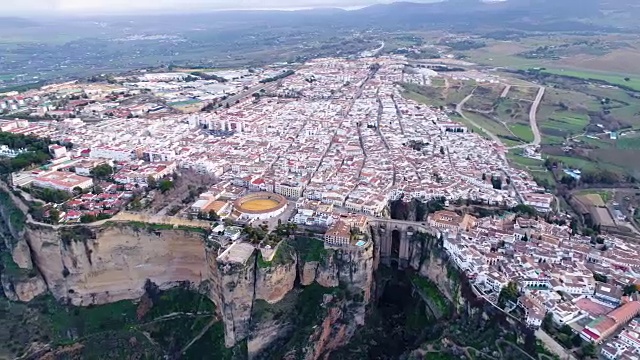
(308,272)
(113,262)
(232,290)
(23,290)
(274,282)
(327,272)
(264,335)
(22,255)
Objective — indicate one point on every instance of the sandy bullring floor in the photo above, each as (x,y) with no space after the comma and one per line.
(259,204)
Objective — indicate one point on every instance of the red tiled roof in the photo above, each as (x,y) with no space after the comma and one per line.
(591,334)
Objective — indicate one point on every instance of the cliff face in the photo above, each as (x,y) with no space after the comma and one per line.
(233,292)
(260,302)
(431,262)
(113,262)
(274,282)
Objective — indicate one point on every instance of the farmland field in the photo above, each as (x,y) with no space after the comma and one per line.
(633,83)
(629,142)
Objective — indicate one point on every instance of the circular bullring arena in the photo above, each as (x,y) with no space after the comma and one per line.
(260,206)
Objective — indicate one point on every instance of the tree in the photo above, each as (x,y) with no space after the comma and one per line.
(54,215)
(77,190)
(508,293)
(497,183)
(442,150)
(627,79)
(165,185)
(213,216)
(87,218)
(588,350)
(103,171)
(151,182)
(547,323)
(630,289)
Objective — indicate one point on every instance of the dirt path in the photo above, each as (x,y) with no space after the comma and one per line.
(459,111)
(202,332)
(533,122)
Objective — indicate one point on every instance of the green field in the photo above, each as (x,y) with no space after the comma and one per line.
(422,99)
(582,164)
(628,142)
(633,83)
(437,82)
(522,131)
(606,195)
(572,123)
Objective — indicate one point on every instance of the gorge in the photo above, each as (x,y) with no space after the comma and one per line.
(396,297)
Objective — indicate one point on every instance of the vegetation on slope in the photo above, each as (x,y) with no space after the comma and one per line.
(170,319)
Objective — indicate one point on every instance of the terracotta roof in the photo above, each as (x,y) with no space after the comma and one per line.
(625,311)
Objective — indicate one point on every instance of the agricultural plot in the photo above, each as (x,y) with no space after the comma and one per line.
(436,95)
(507,117)
(511,110)
(533,166)
(495,127)
(613,79)
(485,97)
(521,131)
(630,142)
(523,92)
(595,197)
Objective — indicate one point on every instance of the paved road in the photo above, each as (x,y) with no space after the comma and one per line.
(532,117)
(505,91)
(232,99)
(533,122)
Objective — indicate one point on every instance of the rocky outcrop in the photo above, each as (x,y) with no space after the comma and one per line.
(23,289)
(330,335)
(264,334)
(233,292)
(431,262)
(274,282)
(308,272)
(350,266)
(21,254)
(112,262)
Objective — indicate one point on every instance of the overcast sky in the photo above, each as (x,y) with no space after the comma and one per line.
(73,7)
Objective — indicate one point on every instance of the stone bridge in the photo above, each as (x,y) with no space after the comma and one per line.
(394,239)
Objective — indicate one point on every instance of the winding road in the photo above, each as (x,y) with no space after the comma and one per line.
(533,122)
(459,111)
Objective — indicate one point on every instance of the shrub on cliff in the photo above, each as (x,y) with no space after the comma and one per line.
(17,218)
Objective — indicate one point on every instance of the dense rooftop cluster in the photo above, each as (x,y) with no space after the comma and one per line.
(557,273)
(337,131)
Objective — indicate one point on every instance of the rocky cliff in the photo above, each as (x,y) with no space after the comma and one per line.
(97,265)
(20,280)
(262,301)
(429,260)
(305,302)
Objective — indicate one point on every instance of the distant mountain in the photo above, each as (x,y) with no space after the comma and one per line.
(14,22)
(551,15)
